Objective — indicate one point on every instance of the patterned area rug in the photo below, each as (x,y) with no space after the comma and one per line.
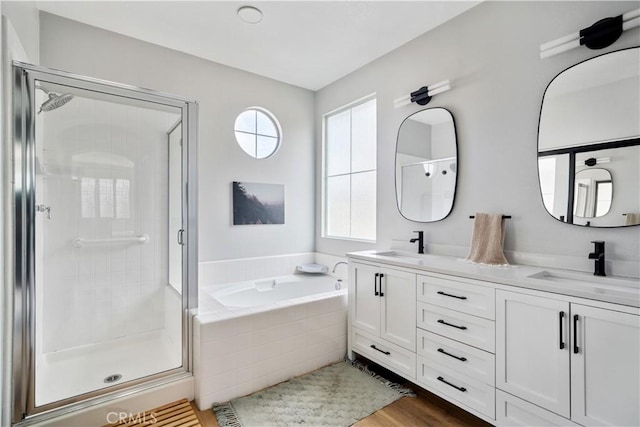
(337,395)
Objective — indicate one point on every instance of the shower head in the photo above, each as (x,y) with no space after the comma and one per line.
(55,101)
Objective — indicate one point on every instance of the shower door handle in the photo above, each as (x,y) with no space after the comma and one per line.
(44,208)
(181,237)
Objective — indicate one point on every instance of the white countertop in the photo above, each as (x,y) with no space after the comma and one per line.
(617,290)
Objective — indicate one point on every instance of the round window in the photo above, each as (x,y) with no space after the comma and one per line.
(258,132)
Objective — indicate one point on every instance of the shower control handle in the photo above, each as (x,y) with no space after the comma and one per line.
(44,208)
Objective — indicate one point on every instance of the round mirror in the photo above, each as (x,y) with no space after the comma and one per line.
(426,165)
(590,116)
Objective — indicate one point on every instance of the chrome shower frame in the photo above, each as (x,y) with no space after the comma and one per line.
(24,411)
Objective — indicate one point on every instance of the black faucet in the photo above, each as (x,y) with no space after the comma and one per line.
(420,241)
(598,256)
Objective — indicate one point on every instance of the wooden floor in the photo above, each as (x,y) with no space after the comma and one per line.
(207,418)
(424,410)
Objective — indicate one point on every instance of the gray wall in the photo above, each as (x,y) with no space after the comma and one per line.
(24,18)
(222,93)
(491,56)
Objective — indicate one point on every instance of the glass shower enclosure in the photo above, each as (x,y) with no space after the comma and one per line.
(105,249)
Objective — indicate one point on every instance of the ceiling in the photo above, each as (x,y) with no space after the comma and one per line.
(304,43)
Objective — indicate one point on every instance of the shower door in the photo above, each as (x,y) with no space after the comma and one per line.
(105,253)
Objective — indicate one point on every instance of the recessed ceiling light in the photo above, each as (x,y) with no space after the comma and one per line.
(250,14)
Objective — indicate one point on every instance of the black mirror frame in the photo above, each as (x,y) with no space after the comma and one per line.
(395,162)
(618,144)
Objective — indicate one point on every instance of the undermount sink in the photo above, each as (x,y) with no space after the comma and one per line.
(403,256)
(606,285)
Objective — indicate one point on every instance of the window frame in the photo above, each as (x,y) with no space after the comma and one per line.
(272,118)
(324,177)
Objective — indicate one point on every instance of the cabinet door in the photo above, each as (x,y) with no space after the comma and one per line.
(605,371)
(532,350)
(365,303)
(511,411)
(398,314)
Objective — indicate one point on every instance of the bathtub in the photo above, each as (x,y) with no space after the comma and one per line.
(268,291)
(254,334)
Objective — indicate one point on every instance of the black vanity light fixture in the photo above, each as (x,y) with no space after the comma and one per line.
(598,36)
(423,95)
(592,161)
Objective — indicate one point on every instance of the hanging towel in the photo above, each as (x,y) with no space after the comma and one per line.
(632,218)
(487,240)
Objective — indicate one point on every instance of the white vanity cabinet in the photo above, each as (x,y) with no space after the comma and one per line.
(577,361)
(498,346)
(605,367)
(456,341)
(532,349)
(382,305)
(512,411)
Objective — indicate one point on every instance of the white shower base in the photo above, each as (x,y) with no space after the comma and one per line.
(80,370)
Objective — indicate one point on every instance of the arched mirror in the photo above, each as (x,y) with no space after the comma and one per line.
(426,165)
(589,142)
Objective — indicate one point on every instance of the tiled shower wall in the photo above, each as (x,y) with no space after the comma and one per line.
(103,169)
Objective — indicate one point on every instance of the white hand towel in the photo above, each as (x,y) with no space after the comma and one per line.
(487,241)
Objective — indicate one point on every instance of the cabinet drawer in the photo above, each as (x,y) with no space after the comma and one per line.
(459,296)
(389,355)
(512,411)
(472,330)
(457,386)
(467,360)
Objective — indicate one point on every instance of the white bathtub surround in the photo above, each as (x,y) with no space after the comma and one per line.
(341,271)
(275,290)
(237,270)
(242,350)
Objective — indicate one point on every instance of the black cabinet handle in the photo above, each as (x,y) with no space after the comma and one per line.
(381,351)
(375,285)
(462,359)
(576,350)
(452,325)
(451,385)
(561,330)
(450,295)
(381,277)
